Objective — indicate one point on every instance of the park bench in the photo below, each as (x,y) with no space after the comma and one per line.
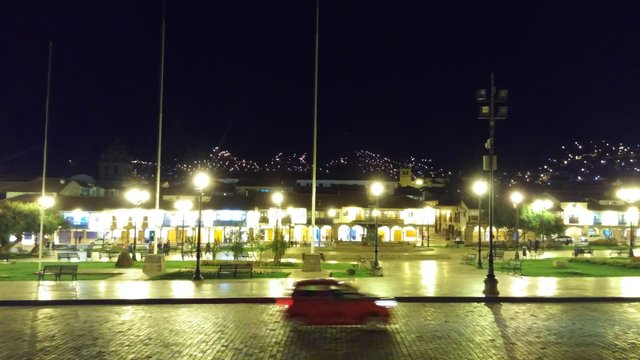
(582,250)
(469,259)
(235,269)
(618,252)
(109,253)
(5,257)
(513,266)
(142,251)
(68,256)
(497,255)
(58,270)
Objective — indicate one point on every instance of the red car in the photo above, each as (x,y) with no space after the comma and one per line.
(331,302)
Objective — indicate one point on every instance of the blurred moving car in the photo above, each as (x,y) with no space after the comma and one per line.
(566,240)
(586,239)
(332,302)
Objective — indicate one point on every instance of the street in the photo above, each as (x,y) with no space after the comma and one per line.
(253,331)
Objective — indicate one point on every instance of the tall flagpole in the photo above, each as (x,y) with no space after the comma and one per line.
(159,160)
(44,155)
(315,133)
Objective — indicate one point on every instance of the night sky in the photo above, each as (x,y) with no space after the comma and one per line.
(396,78)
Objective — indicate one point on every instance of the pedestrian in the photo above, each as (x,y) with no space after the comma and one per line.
(207,249)
(166,248)
(524,252)
(536,245)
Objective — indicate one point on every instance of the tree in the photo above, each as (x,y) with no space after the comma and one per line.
(278,246)
(532,220)
(17,218)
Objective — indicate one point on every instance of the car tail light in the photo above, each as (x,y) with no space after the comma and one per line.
(284,301)
(388,303)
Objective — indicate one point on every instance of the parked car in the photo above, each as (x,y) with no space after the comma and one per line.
(566,240)
(332,302)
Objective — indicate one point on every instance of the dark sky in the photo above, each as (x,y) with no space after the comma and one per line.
(396,77)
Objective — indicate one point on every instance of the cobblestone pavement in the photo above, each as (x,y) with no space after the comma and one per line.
(418,331)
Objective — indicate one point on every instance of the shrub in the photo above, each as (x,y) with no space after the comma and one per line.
(237,248)
(604,242)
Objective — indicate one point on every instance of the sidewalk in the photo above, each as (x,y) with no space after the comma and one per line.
(413,273)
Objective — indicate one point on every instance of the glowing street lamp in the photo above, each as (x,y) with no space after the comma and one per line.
(136,197)
(630,196)
(542,206)
(376,190)
(183,205)
(480,188)
(44,202)
(200,181)
(516,199)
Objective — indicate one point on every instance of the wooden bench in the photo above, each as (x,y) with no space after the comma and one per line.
(68,256)
(582,250)
(5,257)
(235,269)
(512,266)
(69,270)
(58,270)
(469,259)
(109,253)
(497,255)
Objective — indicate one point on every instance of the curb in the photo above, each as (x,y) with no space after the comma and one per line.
(271,300)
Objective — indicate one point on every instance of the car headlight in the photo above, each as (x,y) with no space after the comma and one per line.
(388,303)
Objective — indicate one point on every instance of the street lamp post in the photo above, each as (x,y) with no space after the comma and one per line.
(542,206)
(44,202)
(630,196)
(183,206)
(376,190)
(136,197)
(480,188)
(201,181)
(516,199)
(492,108)
(277,199)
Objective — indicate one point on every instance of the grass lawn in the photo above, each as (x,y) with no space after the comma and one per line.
(178,270)
(563,267)
(339,270)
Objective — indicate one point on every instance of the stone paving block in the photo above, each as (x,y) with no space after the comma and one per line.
(248,331)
